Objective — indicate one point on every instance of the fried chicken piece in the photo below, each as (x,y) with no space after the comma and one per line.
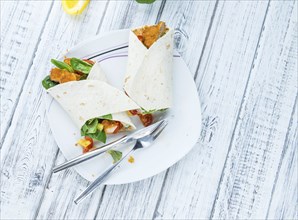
(150,34)
(111,127)
(62,76)
(55,74)
(67,61)
(67,76)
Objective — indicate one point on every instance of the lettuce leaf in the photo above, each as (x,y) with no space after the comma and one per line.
(90,129)
(108,117)
(99,135)
(61,65)
(117,155)
(48,83)
(80,65)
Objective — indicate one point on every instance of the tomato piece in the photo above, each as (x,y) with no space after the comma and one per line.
(146,119)
(85,150)
(118,128)
(88,147)
(89,139)
(133,112)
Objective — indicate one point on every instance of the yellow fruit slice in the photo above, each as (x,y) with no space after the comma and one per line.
(74,7)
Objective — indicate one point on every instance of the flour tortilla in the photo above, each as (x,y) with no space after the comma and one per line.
(96,73)
(148,78)
(87,99)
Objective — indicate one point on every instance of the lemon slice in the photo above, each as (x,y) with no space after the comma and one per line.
(74,7)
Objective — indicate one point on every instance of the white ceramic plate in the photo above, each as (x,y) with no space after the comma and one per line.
(174,142)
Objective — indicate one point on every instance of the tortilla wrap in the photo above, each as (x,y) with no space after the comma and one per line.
(96,73)
(87,99)
(148,78)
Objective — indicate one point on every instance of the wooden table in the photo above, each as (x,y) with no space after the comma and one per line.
(243,57)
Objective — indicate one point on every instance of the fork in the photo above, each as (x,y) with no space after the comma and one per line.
(140,143)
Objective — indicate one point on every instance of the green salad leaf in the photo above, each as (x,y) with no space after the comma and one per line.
(48,83)
(91,129)
(90,126)
(62,65)
(108,117)
(80,65)
(99,135)
(148,112)
(117,155)
(145,1)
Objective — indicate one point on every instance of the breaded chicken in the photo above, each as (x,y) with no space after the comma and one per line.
(62,76)
(150,34)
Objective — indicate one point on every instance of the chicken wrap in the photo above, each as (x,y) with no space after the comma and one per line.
(96,107)
(148,78)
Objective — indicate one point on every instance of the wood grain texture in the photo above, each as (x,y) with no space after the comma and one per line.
(29,151)
(21,25)
(259,137)
(128,14)
(284,201)
(139,200)
(131,201)
(191,21)
(60,193)
(191,185)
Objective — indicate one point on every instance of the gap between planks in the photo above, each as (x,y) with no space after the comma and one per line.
(285,149)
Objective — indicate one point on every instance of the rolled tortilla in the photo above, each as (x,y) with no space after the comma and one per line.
(96,73)
(148,78)
(87,99)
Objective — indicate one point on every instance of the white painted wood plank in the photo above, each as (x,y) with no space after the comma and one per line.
(60,193)
(63,188)
(191,185)
(128,14)
(131,201)
(21,25)
(191,21)
(29,151)
(259,138)
(284,203)
(139,200)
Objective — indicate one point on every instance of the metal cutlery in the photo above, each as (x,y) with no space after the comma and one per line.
(98,151)
(139,143)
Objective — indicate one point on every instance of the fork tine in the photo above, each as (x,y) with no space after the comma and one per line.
(159,129)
